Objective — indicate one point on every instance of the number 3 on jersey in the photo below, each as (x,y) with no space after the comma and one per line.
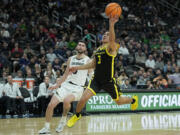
(99,59)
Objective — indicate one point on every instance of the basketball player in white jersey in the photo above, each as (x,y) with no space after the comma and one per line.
(71,88)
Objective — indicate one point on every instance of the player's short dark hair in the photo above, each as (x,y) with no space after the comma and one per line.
(82,42)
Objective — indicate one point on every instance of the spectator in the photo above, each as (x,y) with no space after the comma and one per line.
(159,64)
(17,48)
(14,97)
(72,44)
(29,73)
(173,67)
(51,56)
(50,68)
(32,62)
(5,24)
(123,50)
(142,79)
(19,78)
(158,72)
(5,50)
(28,51)
(140,73)
(23,61)
(38,75)
(100,36)
(121,79)
(126,85)
(44,96)
(19,74)
(59,52)
(42,54)
(56,64)
(30,79)
(4,33)
(175,77)
(72,18)
(150,63)
(4,62)
(52,34)
(16,55)
(43,64)
(140,58)
(167,67)
(63,42)
(119,63)
(52,78)
(87,37)
(160,82)
(3,101)
(3,79)
(135,73)
(133,81)
(149,85)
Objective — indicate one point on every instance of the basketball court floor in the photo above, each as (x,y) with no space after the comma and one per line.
(158,123)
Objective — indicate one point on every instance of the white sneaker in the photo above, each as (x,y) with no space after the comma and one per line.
(60,127)
(44,130)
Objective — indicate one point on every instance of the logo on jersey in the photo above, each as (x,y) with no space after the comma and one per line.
(77,63)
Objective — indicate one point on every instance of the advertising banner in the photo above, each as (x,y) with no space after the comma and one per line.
(102,102)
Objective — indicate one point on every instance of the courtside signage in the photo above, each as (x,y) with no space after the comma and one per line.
(146,101)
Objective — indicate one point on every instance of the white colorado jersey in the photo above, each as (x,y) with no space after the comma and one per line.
(79,77)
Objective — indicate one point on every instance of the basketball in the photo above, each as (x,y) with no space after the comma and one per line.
(113,9)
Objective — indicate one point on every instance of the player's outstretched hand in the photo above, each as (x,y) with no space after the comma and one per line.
(73,69)
(113,19)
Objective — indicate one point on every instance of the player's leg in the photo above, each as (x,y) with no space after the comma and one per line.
(49,113)
(86,95)
(115,92)
(120,100)
(91,90)
(67,104)
(50,109)
(127,100)
(66,107)
(124,100)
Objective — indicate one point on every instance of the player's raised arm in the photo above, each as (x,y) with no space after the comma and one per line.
(113,11)
(89,65)
(112,44)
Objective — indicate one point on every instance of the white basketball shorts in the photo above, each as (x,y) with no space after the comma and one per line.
(68,89)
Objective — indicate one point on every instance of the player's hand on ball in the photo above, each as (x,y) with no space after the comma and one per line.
(113,19)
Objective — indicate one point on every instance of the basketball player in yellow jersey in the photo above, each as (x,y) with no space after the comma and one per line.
(103,63)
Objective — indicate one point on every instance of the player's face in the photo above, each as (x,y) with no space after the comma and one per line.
(105,38)
(81,47)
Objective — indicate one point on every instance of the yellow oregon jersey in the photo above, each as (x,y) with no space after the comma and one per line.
(105,63)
